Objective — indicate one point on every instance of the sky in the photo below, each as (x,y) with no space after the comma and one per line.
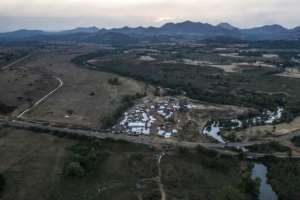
(66,14)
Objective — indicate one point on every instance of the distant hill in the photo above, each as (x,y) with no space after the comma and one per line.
(204,31)
(227,26)
(20,34)
(269,32)
(110,38)
(92,29)
(187,29)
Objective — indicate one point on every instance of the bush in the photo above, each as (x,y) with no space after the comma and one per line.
(283,175)
(74,169)
(85,157)
(114,81)
(205,151)
(231,193)
(249,186)
(126,102)
(296,141)
(183,150)
(271,147)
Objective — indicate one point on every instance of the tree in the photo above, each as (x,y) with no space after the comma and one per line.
(249,186)
(74,169)
(231,193)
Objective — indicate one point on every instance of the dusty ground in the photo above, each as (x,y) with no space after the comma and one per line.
(86,95)
(291,72)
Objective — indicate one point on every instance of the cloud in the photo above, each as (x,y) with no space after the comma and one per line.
(162,19)
(108,13)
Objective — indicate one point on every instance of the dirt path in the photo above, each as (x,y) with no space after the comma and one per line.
(61,83)
(159,180)
(15,62)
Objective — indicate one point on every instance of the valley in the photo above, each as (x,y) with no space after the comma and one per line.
(147,121)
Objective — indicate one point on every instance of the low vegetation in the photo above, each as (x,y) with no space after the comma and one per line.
(126,102)
(283,175)
(206,174)
(5,109)
(84,158)
(250,87)
(272,147)
(296,141)
(114,81)
(6,58)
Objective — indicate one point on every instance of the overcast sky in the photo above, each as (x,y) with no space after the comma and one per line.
(66,14)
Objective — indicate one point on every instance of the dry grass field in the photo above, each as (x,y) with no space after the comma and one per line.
(20,87)
(31,163)
(86,95)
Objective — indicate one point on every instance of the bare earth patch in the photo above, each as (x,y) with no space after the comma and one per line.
(291,72)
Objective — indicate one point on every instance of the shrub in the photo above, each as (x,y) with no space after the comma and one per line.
(183,150)
(296,141)
(114,81)
(231,193)
(249,186)
(271,147)
(127,101)
(205,151)
(74,169)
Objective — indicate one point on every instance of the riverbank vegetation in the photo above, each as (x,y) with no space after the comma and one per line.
(283,175)
(254,87)
(206,174)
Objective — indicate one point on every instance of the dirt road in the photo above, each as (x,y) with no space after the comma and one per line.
(159,180)
(15,62)
(133,139)
(61,83)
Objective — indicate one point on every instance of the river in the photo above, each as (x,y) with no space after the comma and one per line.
(265,191)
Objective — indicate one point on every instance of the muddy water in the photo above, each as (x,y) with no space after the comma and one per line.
(265,191)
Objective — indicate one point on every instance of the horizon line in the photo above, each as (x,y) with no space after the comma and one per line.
(140,26)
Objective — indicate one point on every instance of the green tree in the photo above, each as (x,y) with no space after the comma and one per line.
(231,193)
(249,186)
(74,169)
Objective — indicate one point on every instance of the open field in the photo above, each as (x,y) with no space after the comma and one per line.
(253,86)
(9,55)
(85,98)
(21,87)
(33,165)
(72,89)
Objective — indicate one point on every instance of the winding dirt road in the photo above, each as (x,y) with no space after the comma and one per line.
(15,62)
(61,83)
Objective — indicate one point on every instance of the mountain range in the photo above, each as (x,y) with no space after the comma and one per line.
(187,29)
